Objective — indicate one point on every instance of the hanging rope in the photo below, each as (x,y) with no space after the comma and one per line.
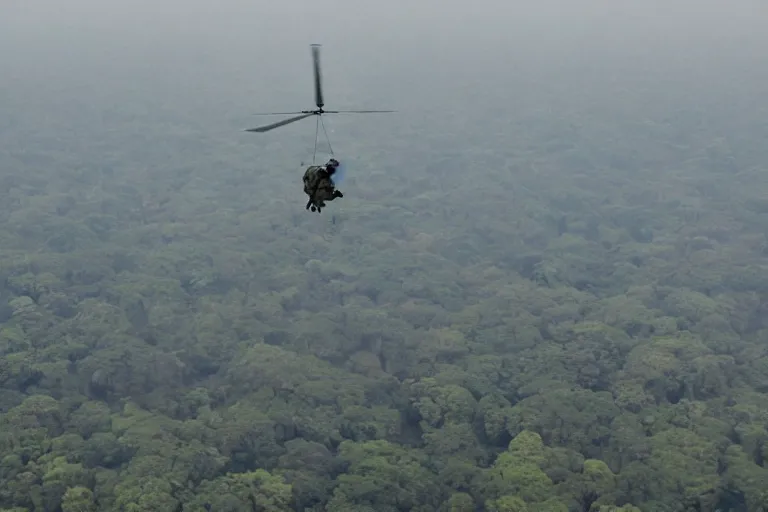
(318,123)
(326,136)
(317,126)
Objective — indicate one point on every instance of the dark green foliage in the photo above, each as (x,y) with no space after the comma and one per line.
(561,307)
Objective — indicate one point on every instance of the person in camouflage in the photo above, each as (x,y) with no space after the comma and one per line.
(319,186)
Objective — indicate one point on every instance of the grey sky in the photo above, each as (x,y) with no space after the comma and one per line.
(490,60)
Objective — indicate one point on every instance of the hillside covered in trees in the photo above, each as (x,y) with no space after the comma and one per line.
(599,345)
(559,307)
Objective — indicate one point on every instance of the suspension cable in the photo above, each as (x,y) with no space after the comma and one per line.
(319,123)
(317,126)
(326,136)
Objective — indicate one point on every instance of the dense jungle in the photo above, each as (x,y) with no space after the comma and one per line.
(545,290)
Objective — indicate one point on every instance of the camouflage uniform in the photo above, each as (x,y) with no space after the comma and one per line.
(319,187)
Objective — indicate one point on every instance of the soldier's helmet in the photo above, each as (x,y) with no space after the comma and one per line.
(333,162)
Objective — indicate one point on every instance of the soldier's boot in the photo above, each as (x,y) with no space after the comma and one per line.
(337,193)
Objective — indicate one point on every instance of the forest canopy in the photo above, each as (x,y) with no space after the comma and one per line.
(559,307)
(599,349)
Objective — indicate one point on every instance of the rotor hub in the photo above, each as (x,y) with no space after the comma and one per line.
(319,101)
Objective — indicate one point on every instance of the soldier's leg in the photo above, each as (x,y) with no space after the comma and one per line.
(326,193)
(309,203)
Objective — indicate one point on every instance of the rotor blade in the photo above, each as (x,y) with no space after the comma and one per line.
(318,76)
(356,111)
(277,113)
(272,126)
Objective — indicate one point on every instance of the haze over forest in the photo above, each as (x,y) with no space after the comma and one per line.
(545,288)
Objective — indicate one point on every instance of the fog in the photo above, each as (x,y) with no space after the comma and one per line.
(158,82)
(545,287)
(104,76)
(239,57)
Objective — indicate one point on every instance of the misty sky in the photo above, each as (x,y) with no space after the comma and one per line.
(205,66)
